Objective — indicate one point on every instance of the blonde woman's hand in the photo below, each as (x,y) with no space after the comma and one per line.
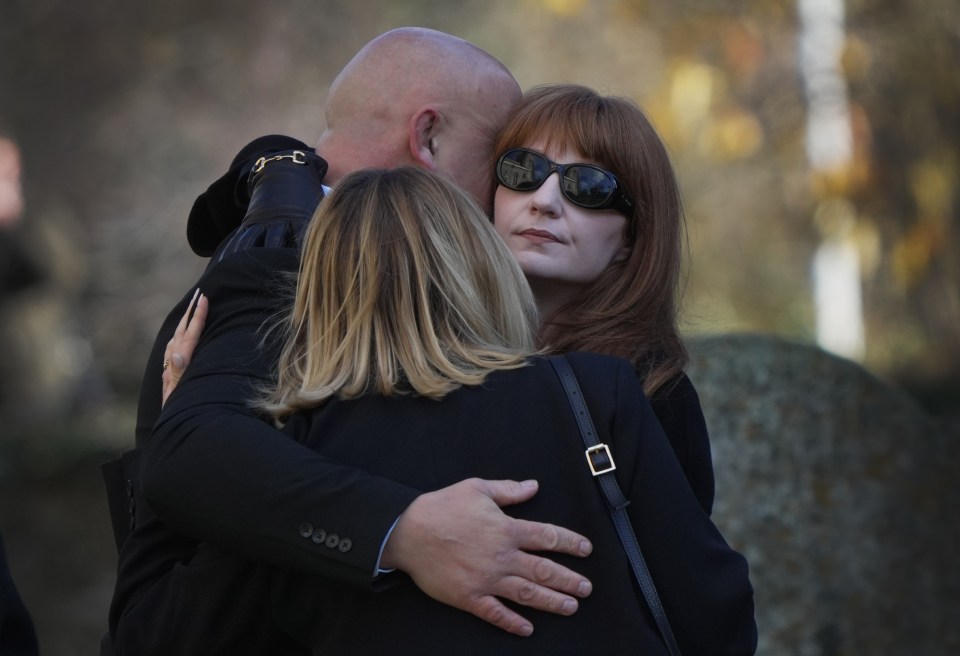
(180,348)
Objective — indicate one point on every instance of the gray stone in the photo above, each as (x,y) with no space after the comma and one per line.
(840,491)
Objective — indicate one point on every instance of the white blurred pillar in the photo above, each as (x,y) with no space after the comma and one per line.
(836,295)
(829,142)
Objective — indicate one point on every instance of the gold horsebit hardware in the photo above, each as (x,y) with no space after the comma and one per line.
(298,157)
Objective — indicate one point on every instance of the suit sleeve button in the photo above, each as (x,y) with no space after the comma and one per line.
(319,536)
(306,530)
(345,545)
(333,540)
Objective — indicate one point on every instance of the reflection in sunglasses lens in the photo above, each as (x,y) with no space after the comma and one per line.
(582,184)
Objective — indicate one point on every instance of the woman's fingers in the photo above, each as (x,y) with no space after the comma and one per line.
(181,346)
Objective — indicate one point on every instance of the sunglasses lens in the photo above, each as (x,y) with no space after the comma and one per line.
(587,186)
(522,170)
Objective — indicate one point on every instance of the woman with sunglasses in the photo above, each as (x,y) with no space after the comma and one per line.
(588,204)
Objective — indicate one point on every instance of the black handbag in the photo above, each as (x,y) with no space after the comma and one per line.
(602,467)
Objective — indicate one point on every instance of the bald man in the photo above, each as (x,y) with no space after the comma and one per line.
(229,491)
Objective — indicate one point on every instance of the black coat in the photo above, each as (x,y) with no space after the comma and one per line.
(518,425)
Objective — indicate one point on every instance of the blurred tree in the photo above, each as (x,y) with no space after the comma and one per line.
(733,108)
(125,111)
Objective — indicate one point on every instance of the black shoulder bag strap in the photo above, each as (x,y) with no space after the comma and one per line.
(601,466)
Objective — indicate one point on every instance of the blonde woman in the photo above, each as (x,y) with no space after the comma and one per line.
(410,311)
(404,288)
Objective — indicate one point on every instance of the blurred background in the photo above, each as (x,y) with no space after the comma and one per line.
(816,143)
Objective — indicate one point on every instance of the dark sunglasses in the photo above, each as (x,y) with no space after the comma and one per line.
(584,185)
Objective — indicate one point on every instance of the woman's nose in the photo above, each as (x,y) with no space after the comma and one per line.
(548,199)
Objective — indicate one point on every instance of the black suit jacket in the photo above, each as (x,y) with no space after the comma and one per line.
(518,424)
(221,460)
(216,471)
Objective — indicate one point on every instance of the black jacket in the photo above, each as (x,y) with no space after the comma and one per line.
(517,425)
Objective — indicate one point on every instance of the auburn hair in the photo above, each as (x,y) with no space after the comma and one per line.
(404,287)
(630,310)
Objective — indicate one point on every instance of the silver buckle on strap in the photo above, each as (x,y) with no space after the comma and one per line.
(600,459)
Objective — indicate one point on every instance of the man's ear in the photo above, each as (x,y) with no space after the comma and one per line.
(424,126)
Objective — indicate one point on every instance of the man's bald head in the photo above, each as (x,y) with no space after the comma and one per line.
(422,97)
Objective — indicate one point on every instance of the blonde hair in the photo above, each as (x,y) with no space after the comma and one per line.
(404,287)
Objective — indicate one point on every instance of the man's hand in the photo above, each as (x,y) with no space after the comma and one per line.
(461,549)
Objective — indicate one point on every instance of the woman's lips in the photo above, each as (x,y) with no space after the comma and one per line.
(539,236)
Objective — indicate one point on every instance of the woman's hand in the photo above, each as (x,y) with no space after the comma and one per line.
(180,348)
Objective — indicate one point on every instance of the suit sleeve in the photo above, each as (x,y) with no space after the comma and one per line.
(215,603)
(703,583)
(215,470)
